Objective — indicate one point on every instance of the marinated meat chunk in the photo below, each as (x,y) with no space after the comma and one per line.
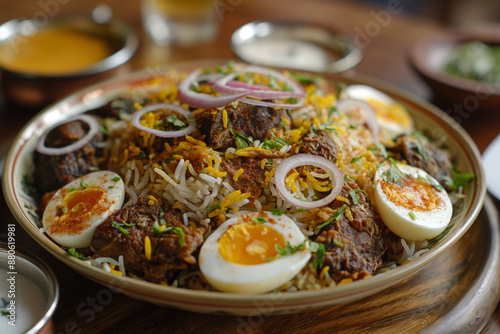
(251,179)
(423,154)
(53,172)
(171,250)
(355,243)
(249,120)
(319,143)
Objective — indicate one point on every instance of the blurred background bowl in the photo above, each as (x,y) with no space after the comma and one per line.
(429,56)
(295,45)
(37,88)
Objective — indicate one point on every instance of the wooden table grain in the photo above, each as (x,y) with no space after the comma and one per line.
(385,35)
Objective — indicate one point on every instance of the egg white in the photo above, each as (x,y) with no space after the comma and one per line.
(389,129)
(81,238)
(253,279)
(427,224)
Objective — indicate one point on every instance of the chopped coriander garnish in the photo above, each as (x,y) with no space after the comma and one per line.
(394,174)
(111,187)
(174,120)
(381,148)
(276,212)
(116,179)
(259,220)
(72,189)
(356,159)
(120,227)
(177,230)
(215,207)
(434,183)
(458,180)
(412,215)
(159,123)
(354,195)
(196,86)
(241,140)
(142,154)
(273,81)
(83,185)
(319,257)
(278,139)
(169,160)
(289,250)
(335,216)
(420,148)
(72,251)
(352,127)
(301,210)
(338,243)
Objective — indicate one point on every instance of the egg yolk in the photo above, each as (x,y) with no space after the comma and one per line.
(249,244)
(394,113)
(413,194)
(78,204)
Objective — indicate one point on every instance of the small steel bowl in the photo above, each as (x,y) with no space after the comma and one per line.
(299,46)
(35,90)
(39,273)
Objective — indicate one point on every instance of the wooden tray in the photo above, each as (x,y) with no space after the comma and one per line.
(457,293)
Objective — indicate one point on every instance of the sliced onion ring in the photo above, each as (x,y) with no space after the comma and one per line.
(136,120)
(200,100)
(344,105)
(93,124)
(304,159)
(223,85)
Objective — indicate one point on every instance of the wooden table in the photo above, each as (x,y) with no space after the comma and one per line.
(386,42)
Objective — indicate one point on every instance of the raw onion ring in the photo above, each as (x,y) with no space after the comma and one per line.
(223,85)
(304,159)
(55,151)
(200,100)
(136,120)
(343,105)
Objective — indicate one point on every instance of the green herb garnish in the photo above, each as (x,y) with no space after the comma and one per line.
(356,159)
(289,250)
(335,216)
(116,179)
(412,215)
(83,185)
(72,251)
(174,120)
(458,180)
(381,148)
(215,207)
(259,220)
(177,230)
(354,195)
(319,257)
(276,212)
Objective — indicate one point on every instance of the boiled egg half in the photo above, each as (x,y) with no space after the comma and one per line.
(254,253)
(75,210)
(410,203)
(392,117)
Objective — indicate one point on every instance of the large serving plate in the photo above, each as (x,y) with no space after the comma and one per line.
(429,119)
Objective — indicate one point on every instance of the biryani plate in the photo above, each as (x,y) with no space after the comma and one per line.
(218,187)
